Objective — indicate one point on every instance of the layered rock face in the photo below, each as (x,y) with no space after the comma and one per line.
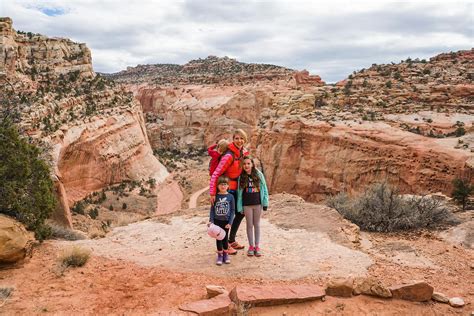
(193,116)
(95,131)
(314,159)
(315,139)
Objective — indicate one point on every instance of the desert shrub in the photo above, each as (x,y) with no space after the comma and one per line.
(124,206)
(61,232)
(26,189)
(93,213)
(380,208)
(462,189)
(79,207)
(74,257)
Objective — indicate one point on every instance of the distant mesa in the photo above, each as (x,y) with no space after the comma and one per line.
(212,70)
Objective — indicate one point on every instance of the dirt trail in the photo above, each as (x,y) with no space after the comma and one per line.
(194,197)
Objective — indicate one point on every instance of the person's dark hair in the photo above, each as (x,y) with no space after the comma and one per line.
(223,179)
(244,176)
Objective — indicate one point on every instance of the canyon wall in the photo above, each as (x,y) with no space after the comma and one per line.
(315,139)
(93,131)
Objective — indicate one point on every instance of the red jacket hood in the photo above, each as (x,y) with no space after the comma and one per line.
(235,150)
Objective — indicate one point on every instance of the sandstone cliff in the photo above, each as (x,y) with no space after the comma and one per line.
(94,131)
(315,139)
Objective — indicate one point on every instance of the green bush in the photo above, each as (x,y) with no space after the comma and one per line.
(461,191)
(93,213)
(380,208)
(26,190)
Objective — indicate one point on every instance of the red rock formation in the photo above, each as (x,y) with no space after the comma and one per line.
(303,77)
(96,130)
(312,159)
(310,136)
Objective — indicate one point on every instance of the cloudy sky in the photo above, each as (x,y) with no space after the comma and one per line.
(329,38)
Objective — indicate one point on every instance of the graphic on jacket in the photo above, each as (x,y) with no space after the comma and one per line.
(223,209)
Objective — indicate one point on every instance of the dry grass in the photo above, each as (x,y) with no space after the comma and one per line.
(5,293)
(74,257)
(61,232)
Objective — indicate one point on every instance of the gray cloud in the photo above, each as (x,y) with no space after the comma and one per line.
(330,39)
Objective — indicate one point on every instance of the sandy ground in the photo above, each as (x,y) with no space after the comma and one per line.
(183,245)
(153,266)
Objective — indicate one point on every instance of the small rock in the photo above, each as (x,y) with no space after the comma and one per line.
(214,290)
(418,291)
(371,286)
(440,297)
(219,305)
(456,302)
(340,287)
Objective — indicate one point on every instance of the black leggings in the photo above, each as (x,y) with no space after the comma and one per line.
(224,243)
(237,219)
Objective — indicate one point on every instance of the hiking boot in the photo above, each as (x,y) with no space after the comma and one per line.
(251,251)
(258,252)
(231,251)
(236,245)
(220,258)
(226,257)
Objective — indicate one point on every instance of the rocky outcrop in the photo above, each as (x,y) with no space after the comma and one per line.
(303,77)
(193,116)
(15,241)
(105,151)
(210,70)
(313,158)
(316,139)
(93,130)
(29,54)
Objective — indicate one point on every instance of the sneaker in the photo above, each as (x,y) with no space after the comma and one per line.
(258,252)
(251,251)
(231,251)
(236,245)
(220,257)
(226,257)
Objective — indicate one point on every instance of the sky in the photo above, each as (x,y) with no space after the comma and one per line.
(328,38)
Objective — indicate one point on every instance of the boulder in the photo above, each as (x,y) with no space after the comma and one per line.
(371,286)
(340,287)
(15,241)
(219,305)
(418,291)
(267,295)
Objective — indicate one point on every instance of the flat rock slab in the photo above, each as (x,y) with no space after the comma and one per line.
(268,295)
(218,305)
(415,291)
